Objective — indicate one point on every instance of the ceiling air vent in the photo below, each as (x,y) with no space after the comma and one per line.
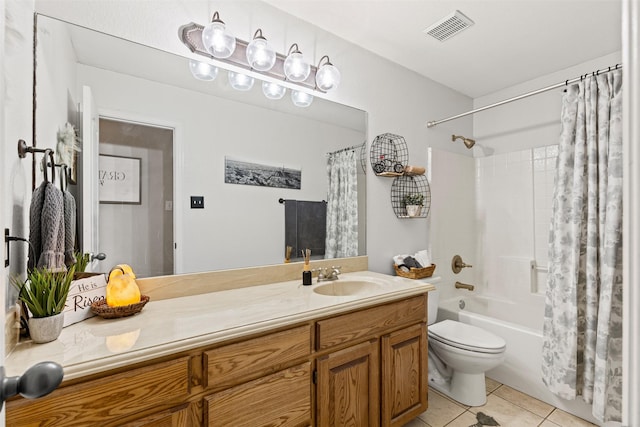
(449,26)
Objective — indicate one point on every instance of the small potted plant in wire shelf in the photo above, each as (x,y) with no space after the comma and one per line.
(413,204)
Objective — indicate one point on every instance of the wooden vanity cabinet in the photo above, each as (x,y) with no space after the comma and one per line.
(282,398)
(382,381)
(404,375)
(367,367)
(257,383)
(348,387)
(108,401)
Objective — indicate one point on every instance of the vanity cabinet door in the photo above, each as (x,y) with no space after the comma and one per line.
(404,375)
(281,399)
(348,387)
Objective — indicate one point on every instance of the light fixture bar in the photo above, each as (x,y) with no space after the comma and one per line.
(191,35)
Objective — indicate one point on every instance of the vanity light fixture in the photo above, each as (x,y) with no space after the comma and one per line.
(301,99)
(260,54)
(296,69)
(214,41)
(273,90)
(240,81)
(202,70)
(217,40)
(327,76)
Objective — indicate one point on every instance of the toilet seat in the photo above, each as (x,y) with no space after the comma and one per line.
(466,337)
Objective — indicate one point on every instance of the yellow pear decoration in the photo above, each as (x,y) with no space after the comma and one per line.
(122,288)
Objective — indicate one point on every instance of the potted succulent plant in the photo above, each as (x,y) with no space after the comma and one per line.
(45,293)
(413,203)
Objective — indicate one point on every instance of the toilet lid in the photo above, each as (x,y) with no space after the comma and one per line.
(467,337)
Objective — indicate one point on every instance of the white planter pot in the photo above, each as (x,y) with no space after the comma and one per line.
(413,210)
(45,329)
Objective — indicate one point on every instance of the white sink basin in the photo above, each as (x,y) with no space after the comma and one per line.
(346,288)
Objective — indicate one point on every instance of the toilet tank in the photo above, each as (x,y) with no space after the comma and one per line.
(432,307)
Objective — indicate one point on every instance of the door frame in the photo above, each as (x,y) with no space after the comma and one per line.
(178,162)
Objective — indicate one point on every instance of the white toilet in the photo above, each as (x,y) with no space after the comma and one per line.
(459,355)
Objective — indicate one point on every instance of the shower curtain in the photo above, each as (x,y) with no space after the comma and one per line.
(342,205)
(582,349)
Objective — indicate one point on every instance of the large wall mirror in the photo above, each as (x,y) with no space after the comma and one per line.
(139,111)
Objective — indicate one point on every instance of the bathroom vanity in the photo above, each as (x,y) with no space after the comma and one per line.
(351,351)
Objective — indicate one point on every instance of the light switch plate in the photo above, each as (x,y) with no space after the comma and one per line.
(197,202)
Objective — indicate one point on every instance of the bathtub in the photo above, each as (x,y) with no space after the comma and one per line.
(521,368)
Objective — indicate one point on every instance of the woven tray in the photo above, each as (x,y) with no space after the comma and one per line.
(416,273)
(101,308)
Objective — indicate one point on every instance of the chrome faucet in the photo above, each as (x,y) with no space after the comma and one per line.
(459,285)
(324,274)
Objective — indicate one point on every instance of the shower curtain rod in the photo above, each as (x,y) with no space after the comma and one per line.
(346,149)
(526,95)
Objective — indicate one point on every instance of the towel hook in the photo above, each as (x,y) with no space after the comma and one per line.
(64,177)
(45,165)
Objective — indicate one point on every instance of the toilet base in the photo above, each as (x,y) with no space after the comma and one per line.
(468,389)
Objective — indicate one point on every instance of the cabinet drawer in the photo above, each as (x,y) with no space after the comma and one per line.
(370,322)
(282,399)
(255,357)
(107,400)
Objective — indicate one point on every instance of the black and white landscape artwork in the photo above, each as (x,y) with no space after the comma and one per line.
(243,172)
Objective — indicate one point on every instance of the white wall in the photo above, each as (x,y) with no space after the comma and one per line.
(529,122)
(397,100)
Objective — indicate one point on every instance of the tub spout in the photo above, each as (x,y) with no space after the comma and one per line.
(459,285)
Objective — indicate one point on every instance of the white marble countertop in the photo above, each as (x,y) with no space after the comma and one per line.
(173,325)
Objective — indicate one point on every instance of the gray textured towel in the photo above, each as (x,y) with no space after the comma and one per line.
(46,222)
(69,228)
(305,225)
(35,211)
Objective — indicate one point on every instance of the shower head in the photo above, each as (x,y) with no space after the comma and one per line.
(468,142)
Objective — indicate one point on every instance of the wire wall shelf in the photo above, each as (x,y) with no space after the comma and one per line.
(407,188)
(389,155)
(363,157)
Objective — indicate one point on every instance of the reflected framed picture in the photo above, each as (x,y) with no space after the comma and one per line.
(119,180)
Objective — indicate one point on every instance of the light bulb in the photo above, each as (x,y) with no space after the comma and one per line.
(240,81)
(260,54)
(301,99)
(273,90)
(296,68)
(217,40)
(202,70)
(327,76)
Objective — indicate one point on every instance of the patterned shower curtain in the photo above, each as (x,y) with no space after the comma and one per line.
(342,205)
(582,350)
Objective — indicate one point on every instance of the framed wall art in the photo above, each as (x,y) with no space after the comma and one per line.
(119,179)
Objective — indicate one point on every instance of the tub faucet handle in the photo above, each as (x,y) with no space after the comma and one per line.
(457,264)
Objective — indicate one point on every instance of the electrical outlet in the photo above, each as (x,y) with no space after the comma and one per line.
(197,202)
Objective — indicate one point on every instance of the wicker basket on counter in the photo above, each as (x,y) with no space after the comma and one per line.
(416,273)
(103,310)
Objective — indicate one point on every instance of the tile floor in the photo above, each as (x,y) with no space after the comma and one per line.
(509,407)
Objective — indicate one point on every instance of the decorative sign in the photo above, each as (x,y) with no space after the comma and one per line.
(81,294)
(119,180)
